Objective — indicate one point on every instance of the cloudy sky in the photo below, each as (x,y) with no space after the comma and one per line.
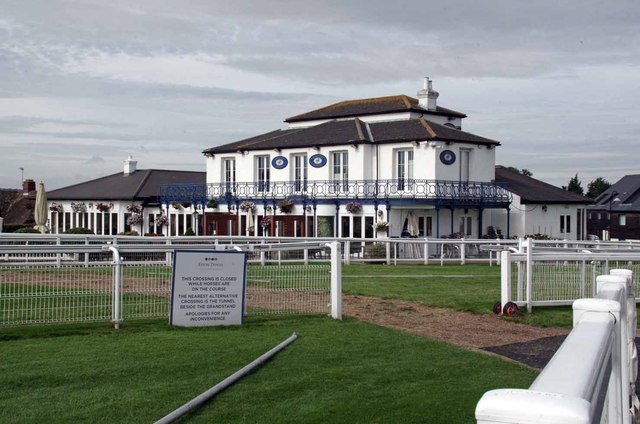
(84,84)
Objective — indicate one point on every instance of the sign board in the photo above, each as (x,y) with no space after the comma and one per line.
(208,288)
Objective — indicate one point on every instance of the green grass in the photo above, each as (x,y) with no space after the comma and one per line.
(469,288)
(339,372)
(472,288)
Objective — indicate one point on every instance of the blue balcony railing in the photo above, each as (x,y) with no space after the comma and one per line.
(436,192)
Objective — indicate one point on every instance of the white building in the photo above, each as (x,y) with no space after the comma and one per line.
(539,209)
(126,201)
(345,167)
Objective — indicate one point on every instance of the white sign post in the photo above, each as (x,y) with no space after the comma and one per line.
(208,288)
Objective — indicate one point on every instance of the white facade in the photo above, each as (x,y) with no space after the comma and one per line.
(558,221)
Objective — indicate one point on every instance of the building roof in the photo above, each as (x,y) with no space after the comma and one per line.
(532,191)
(623,196)
(142,185)
(352,131)
(372,106)
(17,208)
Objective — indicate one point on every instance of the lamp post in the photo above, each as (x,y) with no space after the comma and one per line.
(611,199)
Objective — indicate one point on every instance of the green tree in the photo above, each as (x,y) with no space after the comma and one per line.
(597,187)
(522,171)
(575,186)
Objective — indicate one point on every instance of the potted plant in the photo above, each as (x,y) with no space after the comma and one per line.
(134,219)
(103,207)
(176,205)
(212,203)
(79,207)
(247,206)
(354,207)
(55,207)
(134,209)
(161,220)
(381,226)
(285,205)
(185,204)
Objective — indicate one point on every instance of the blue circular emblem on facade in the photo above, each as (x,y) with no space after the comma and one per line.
(447,157)
(279,162)
(318,160)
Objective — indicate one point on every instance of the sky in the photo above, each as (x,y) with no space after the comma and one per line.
(84,84)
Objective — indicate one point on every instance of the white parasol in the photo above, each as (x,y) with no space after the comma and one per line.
(412,225)
(250,222)
(40,212)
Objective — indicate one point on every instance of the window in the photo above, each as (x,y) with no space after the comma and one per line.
(565,224)
(229,174)
(340,170)
(465,156)
(622,220)
(300,172)
(263,173)
(404,169)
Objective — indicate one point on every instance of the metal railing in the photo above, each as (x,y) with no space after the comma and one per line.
(441,191)
(42,284)
(597,388)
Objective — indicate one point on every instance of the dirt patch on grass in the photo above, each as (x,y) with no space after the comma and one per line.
(463,329)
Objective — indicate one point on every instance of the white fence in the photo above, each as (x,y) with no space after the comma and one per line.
(354,250)
(540,275)
(42,284)
(591,378)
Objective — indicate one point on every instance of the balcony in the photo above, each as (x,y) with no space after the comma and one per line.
(432,192)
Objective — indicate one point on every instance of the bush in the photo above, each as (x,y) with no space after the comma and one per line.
(189,232)
(129,233)
(78,230)
(12,228)
(27,230)
(376,250)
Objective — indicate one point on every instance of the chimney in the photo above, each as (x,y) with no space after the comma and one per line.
(28,186)
(130,166)
(427,96)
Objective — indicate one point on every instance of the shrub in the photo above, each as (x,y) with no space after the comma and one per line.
(12,228)
(189,232)
(376,250)
(27,230)
(78,230)
(129,233)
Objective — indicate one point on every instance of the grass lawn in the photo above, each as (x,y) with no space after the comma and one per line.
(470,288)
(336,372)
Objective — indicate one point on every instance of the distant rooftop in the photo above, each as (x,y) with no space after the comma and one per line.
(372,106)
(532,191)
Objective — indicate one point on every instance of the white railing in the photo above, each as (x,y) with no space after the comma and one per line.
(82,283)
(591,378)
(391,251)
(540,275)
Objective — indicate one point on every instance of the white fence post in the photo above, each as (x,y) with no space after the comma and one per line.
(117,285)
(463,253)
(336,280)
(529,246)
(505,278)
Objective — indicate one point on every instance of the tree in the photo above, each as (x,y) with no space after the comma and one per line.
(597,187)
(574,186)
(522,171)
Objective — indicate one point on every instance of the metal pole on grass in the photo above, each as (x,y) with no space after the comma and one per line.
(204,397)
